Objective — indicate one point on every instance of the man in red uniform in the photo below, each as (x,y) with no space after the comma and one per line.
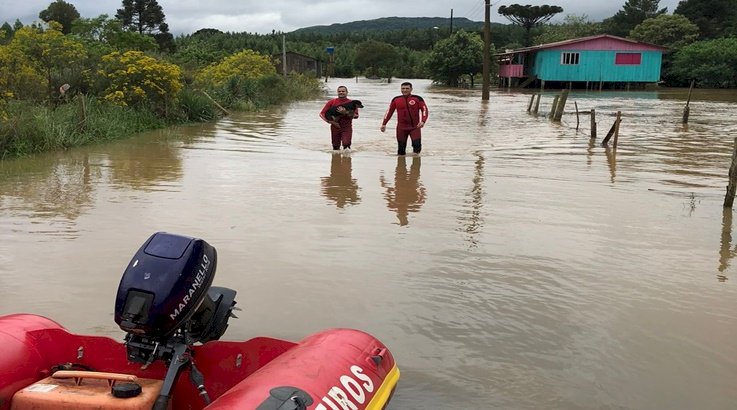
(412,115)
(341,131)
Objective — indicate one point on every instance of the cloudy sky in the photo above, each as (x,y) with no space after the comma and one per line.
(187,16)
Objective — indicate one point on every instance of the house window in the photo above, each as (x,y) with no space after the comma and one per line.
(628,59)
(569,58)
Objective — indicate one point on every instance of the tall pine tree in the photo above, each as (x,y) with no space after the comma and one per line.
(633,13)
(146,17)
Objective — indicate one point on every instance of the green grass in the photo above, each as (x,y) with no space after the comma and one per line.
(31,128)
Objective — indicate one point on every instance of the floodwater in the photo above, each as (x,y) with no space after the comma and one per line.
(514,265)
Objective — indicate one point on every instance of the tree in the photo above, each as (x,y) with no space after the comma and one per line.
(633,13)
(102,33)
(62,13)
(246,65)
(529,16)
(58,56)
(135,79)
(711,63)
(668,30)
(6,33)
(715,18)
(461,53)
(376,59)
(146,17)
(572,27)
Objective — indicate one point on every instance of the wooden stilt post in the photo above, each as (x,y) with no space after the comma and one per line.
(537,104)
(577,120)
(593,124)
(616,128)
(686,109)
(561,105)
(529,106)
(732,186)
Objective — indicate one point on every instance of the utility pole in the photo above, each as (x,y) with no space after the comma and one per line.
(487,45)
(284,54)
(451,21)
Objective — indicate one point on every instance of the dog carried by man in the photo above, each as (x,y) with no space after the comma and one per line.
(347,109)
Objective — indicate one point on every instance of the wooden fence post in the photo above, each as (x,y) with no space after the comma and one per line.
(616,128)
(560,106)
(554,107)
(593,123)
(686,109)
(732,186)
(537,104)
(610,134)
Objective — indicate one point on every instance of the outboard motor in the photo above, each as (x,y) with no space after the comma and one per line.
(166,303)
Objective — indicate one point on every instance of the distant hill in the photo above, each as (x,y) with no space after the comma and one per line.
(391,24)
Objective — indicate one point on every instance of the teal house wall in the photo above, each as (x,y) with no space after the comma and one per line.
(596,59)
(596,66)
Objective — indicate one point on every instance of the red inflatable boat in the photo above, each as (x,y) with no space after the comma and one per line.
(171,357)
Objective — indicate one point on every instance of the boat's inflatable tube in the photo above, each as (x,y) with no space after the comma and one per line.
(21,362)
(331,370)
(337,369)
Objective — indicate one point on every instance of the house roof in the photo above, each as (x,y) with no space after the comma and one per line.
(576,41)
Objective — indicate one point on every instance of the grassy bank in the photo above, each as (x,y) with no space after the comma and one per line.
(31,128)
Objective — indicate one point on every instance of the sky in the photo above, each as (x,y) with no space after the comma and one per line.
(254,16)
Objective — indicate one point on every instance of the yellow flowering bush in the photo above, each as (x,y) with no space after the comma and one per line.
(135,78)
(246,64)
(38,60)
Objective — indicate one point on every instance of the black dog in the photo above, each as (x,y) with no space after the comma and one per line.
(350,107)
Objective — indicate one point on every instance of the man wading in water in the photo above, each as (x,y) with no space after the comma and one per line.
(341,131)
(412,115)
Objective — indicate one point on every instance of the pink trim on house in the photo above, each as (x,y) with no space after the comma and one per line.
(510,70)
(607,44)
(601,42)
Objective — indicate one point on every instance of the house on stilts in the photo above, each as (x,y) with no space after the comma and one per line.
(602,61)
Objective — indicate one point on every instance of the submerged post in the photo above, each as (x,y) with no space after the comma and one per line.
(732,186)
(529,106)
(561,105)
(686,109)
(577,120)
(553,108)
(610,134)
(537,104)
(593,123)
(616,128)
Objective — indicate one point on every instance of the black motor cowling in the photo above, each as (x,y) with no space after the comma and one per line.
(167,288)
(166,303)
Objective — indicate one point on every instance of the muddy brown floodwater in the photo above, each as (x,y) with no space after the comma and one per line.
(514,265)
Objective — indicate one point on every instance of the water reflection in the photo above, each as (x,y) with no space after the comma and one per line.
(471,220)
(144,164)
(340,186)
(408,194)
(611,159)
(59,188)
(726,252)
